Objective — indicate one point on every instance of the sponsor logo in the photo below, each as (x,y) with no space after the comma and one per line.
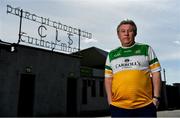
(127,63)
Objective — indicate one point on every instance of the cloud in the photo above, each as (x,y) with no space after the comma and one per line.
(169,56)
(177,42)
(90,40)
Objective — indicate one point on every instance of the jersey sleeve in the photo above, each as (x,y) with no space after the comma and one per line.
(108,69)
(153,61)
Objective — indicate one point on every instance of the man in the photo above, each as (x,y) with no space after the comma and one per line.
(132,76)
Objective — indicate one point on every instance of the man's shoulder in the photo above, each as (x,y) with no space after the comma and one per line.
(115,50)
(114,53)
(142,44)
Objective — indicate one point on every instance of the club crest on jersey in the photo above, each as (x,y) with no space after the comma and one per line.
(138,51)
(126,60)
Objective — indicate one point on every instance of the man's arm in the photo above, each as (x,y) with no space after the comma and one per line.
(156,79)
(108,88)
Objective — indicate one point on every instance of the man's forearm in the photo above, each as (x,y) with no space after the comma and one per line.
(156,78)
(108,88)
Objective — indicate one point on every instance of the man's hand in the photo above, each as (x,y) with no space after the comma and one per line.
(156,102)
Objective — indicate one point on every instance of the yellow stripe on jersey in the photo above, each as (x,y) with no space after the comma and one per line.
(108,72)
(154,66)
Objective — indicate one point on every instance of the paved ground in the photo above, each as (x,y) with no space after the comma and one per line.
(167,113)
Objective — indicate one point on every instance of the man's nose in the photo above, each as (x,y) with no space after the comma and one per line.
(126,32)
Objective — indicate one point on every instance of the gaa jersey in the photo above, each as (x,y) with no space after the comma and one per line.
(131,69)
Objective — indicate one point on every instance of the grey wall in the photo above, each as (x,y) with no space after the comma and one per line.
(51,71)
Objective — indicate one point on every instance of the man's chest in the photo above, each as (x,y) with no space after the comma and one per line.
(137,62)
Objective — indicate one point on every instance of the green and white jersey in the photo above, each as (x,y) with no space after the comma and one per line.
(131,69)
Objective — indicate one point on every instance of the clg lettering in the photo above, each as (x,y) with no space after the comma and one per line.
(46,21)
(44,32)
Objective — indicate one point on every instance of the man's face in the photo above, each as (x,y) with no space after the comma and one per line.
(126,35)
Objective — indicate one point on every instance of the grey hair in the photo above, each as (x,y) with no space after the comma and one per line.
(127,21)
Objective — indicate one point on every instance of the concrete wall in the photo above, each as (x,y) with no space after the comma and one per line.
(51,71)
(8,83)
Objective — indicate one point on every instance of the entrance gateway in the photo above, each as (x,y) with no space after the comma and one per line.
(47,29)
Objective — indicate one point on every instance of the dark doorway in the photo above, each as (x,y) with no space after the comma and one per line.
(84,91)
(26,95)
(71,97)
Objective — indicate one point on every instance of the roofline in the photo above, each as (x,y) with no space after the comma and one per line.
(36,48)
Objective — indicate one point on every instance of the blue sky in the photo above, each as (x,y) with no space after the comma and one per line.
(158,23)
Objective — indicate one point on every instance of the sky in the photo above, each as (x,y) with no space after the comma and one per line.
(158,24)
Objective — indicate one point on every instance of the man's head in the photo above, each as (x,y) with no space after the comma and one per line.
(127,31)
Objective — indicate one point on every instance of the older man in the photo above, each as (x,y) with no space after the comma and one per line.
(132,76)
